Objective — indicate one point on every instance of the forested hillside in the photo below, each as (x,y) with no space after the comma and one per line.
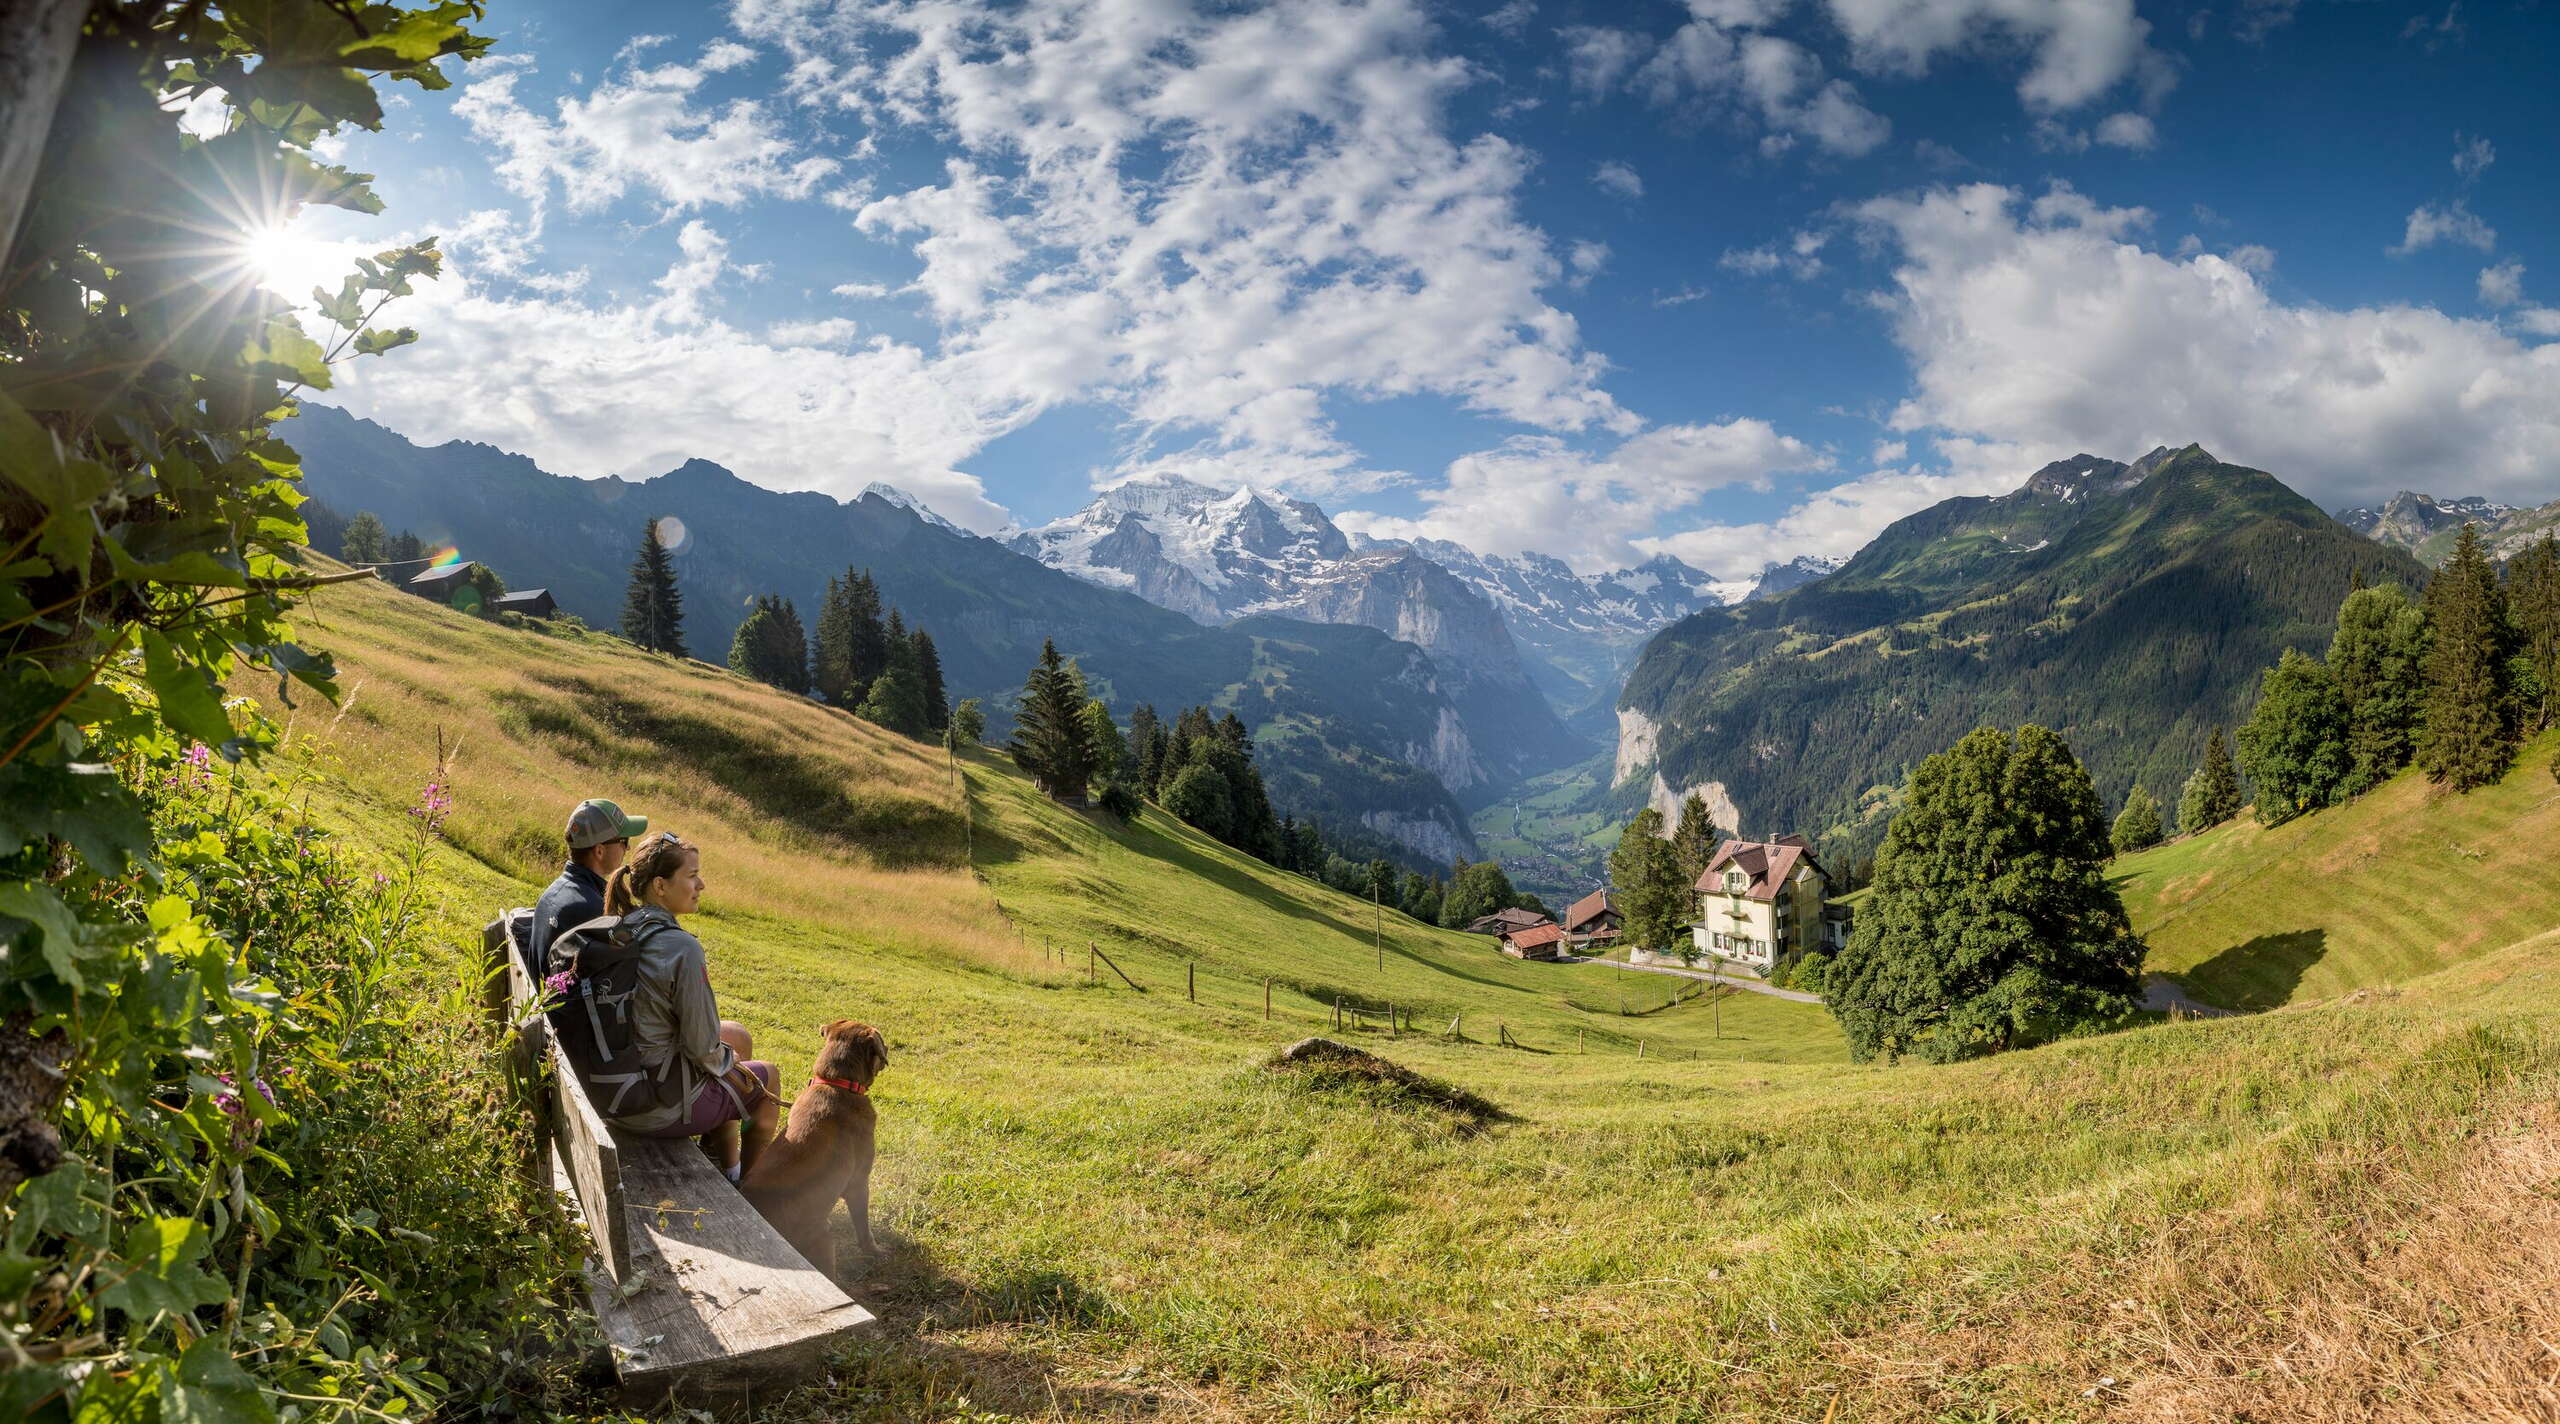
(2129,607)
(1363,734)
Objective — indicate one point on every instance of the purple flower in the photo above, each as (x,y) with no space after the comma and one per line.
(559,983)
(199,756)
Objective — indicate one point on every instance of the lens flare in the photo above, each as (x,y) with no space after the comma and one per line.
(443,556)
(673,534)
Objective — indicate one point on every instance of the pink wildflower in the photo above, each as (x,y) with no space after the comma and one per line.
(559,983)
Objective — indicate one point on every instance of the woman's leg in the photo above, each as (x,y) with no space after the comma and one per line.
(727,1146)
(764,1123)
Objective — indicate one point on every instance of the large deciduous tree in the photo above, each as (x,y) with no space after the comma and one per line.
(1991,923)
(2466,728)
(2138,825)
(2294,746)
(653,608)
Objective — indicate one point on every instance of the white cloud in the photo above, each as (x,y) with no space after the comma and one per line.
(2127,130)
(638,131)
(1587,259)
(859,290)
(2250,257)
(1618,180)
(1511,19)
(2539,321)
(2429,225)
(594,388)
(1537,492)
(1598,57)
(2040,325)
(2502,285)
(1217,220)
(818,331)
(1774,81)
(2080,48)
(723,55)
(1801,259)
(2472,157)
(1682,297)
(1834,522)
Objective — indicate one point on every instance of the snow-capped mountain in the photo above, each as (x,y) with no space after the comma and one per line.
(1219,555)
(909,502)
(1794,573)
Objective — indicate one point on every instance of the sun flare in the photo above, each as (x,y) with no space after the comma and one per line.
(289,263)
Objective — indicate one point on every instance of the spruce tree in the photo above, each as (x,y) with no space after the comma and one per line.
(2294,746)
(2137,826)
(1110,752)
(866,642)
(895,698)
(653,609)
(1644,877)
(1991,923)
(2375,657)
(362,540)
(2465,729)
(937,698)
(405,548)
(1049,737)
(2533,602)
(1694,841)
(831,663)
(1146,756)
(770,647)
(1310,848)
(2212,795)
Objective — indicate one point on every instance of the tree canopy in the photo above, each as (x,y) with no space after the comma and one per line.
(653,609)
(1991,923)
(2294,745)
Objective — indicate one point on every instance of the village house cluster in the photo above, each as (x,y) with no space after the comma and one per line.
(1756,902)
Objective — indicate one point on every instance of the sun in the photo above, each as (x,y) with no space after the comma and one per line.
(289,263)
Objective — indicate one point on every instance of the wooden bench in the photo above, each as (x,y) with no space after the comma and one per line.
(693,1290)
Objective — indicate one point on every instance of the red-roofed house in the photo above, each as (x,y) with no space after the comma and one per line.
(1544,940)
(1591,920)
(1758,900)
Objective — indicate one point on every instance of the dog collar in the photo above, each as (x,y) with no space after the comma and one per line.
(847,1084)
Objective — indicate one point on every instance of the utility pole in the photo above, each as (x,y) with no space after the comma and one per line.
(1377,927)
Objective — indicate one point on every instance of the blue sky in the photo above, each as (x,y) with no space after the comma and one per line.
(1734,279)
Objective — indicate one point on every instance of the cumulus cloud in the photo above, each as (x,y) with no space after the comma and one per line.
(2079,49)
(2454,223)
(1618,180)
(1538,492)
(2472,156)
(2126,130)
(1218,220)
(1754,76)
(2502,285)
(2044,326)
(1833,523)
(640,131)
(1801,257)
(792,408)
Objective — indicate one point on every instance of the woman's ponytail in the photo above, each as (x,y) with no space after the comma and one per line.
(657,858)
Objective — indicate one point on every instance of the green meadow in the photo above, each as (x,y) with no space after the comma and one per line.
(1101,1201)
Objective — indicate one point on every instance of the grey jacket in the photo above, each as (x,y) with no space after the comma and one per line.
(674,1017)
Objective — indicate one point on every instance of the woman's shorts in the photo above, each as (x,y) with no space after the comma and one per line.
(712,1105)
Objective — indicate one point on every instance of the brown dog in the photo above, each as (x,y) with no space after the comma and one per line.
(824,1152)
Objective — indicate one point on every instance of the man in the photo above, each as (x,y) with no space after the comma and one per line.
(599,837)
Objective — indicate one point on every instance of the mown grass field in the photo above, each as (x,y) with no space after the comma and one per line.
(1102,1205)
(2400,883)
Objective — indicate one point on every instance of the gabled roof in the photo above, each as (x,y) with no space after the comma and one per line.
(440,575)
(1534,936)
(1503,921)
(1590,907)
(1768,863)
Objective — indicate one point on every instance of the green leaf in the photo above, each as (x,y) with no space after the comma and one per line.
(79,802)
(283,352)
(375,341)
(189,701)
(29,903)
(211,1388)
(160,1270)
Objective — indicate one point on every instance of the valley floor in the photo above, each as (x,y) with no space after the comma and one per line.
(1100,1203)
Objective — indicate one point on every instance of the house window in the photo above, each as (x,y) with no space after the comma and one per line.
(1735,882)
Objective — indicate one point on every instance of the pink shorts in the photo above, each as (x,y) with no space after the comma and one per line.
(712,1105)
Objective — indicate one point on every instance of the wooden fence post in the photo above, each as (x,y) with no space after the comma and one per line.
(1191,976)
(1092,972)
(1639,1050)
(1266,998)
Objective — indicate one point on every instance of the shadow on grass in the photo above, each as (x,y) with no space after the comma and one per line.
(941,1338)
(2260,974)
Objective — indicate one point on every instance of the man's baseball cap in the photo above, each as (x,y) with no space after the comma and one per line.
(595,822)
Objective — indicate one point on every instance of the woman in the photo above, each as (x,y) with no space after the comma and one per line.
(674,1016)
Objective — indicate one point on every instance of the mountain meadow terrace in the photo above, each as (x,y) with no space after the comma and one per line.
(1100,1202)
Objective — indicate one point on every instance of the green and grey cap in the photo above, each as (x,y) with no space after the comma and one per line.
(595,822)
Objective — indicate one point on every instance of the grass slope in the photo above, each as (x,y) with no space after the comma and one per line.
(2402,882)
(1101,1205)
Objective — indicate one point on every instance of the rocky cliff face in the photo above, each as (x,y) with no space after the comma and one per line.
(2426,526)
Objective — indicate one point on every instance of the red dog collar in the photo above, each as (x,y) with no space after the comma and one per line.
(847,1084)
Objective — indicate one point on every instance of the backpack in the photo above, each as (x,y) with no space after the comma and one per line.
(593,1022)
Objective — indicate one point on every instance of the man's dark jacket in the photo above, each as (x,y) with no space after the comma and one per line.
(573,899)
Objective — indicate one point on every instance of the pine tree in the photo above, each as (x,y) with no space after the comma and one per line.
(866,642)
(895,699)
(2212,795)
(937,698)
(1310,848)
(831,663)
(362,541)
(2138,825)
(1409,893)
(1644,878)
(1049,734)
(403,548)
(1991,923)
(1146,754)
(770,647)
(653,610)
(2465,729)
(1110,752)
(1693,843)
(2533,602)
(2294,746)
(2375,657)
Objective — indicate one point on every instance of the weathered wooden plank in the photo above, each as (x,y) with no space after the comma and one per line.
(579,1135)
(37,41)
(722,1301)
